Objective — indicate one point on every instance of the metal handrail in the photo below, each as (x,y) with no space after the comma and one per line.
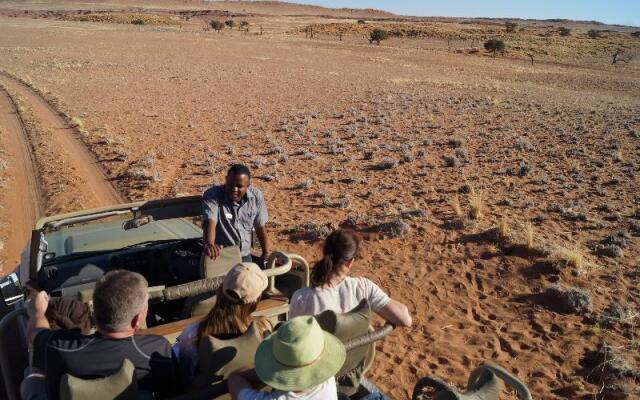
(369,338)
(209,285)
(13,393)
(305,267)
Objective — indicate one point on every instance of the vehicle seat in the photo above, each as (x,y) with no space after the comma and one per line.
(347,326)
(229,257)
(217,359)
(121,385)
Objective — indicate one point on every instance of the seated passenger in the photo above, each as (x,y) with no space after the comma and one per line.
(120,306)
(333,289)
(229,318)
(299,361)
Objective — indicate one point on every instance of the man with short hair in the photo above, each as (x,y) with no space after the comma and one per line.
(231,211)
(120,304)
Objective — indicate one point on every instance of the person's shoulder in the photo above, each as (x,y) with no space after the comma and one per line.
(214,192)
(359,282)
(62,339)
(152,344)
(255,192)
(302,293)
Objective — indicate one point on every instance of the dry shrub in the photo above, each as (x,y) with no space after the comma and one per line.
(503,228)
(476,205)
(571,256)
(455,206)
(528,231)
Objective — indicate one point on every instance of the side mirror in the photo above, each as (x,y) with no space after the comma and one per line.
(136,222)
(10,289)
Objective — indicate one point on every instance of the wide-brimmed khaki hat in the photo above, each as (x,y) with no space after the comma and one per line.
(299,355)
(244,283)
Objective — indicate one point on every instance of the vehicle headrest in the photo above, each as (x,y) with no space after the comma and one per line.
(121,385)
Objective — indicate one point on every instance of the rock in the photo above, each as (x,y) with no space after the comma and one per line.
(392,229)
(311,231)
(387,163)
(568,300)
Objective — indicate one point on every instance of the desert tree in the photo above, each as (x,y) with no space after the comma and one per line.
(340,34)
(216,25)
(244,25)
(510,26)
(230,23)
(377,35)
(564,31)
(309,32)
(362,22)
(495,46)
(531,55)
(636,34)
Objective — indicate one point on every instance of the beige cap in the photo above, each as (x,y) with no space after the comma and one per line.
(244,283)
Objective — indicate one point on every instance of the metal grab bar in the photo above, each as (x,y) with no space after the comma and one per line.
(209,285)
(13,393)
(369,338)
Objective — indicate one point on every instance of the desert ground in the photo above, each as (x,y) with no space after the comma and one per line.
(497,197)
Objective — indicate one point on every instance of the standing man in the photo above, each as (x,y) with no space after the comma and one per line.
(231,211)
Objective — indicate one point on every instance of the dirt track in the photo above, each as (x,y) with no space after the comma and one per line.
(25,201)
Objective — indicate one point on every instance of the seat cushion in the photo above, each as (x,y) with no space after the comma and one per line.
(121,386)
(229,257)
(217,358)
(347,326)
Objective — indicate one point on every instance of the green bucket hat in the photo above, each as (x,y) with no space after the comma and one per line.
(299,355)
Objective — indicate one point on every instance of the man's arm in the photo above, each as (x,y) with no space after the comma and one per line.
(212,249)
(36,309)
(263,238)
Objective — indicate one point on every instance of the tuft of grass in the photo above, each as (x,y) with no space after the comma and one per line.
(528,230)
(455,206)
(77,123)
(572,256)
(503,228)
(476,204)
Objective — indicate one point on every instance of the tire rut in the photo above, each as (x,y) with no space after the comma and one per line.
(98,190)
(23,199)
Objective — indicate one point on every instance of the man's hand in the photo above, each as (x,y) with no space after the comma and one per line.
(37,306)
(36,309)
(213,250)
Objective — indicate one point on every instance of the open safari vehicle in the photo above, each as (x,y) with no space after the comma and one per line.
(163,241)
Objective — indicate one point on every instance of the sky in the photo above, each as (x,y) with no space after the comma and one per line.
(624,12)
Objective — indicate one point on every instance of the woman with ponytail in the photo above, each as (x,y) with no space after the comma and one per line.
(333,289)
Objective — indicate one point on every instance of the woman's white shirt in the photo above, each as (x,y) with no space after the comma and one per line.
(324,391)
(341,298)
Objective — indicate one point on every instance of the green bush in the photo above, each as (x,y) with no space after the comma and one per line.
(495,46)
(564,31)
(216,25)
(137,22)
(377,35)
(361,21)
(230,23)
(510,26)
(244,25)
(636,34)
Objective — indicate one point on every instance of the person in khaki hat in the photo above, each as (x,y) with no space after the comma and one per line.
(299,361)
(230,317)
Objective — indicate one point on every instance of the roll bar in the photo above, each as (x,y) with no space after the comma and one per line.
(209,285)
(13,393)
(369,338)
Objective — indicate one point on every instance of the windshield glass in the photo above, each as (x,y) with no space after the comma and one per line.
(108,234)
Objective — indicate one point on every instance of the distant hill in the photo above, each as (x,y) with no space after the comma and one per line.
(286,8)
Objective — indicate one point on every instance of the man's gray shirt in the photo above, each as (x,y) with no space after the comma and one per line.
(234,221)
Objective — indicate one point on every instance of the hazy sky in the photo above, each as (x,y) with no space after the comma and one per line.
(626,12)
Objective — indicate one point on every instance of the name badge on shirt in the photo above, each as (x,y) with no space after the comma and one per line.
(228,215)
